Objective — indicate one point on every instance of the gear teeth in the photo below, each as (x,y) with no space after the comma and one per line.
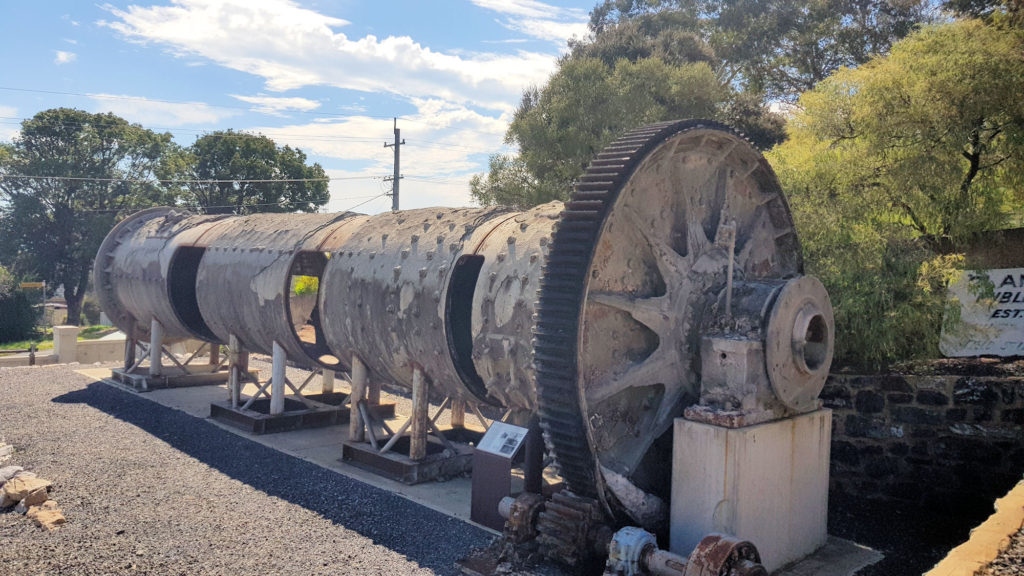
(560,307)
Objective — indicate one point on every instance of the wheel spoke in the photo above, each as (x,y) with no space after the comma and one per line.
(651,312)
(658,368)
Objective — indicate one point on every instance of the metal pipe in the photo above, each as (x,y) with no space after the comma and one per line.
(327,381)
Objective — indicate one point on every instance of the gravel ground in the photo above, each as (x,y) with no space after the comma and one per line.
(1010,562)
(151,490)
(148,489)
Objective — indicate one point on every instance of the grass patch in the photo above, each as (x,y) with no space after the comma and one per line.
(45,340)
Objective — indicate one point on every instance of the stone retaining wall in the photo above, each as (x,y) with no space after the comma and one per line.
(947,441)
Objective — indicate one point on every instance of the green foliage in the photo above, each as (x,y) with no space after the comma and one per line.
(231,161)
(67,176)
(585,106)
(17,317)
(892,167)
(305,285)
(91,311)
(778,49)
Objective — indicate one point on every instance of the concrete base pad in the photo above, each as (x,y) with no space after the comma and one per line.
(766,483)
(837,557)
(395,464)
(172,377)
(297,415)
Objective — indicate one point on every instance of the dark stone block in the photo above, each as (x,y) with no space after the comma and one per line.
(899,398)
(881,467)
(956,415)
(835,395)
(969,390)
(845,453)
(857,426)
(909,491)
(923,432)
(871,450)
(895,383)
(982,414)
(899,449)
(915,415)
(918,461)
(932,398)
(868,402)
(1013,416)
(861,382)
(1006,392)
(972,450)
(920,449)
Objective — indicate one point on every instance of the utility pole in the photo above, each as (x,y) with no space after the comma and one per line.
(394,179)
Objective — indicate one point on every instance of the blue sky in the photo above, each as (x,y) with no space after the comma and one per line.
(326,76)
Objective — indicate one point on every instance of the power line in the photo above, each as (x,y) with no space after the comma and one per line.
(172,181)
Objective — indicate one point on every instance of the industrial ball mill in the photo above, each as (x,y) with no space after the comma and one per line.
(669,288)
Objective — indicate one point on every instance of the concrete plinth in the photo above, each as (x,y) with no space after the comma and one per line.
(766,483)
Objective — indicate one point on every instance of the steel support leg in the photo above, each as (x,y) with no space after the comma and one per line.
(327,380)
(156,345)
(458,414)
(277,380)
(373,393)
(214,353)
(129,353)
(418,433)
(356,426)
(234,370)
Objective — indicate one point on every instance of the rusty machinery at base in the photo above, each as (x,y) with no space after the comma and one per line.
(671,283)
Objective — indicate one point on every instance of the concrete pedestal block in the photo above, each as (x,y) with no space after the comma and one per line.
(65,342)
(766,483)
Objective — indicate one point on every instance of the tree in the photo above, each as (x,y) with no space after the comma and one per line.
(245,173)
(585,106)
(771,48)
(893,167)
(63,182)
(17,317)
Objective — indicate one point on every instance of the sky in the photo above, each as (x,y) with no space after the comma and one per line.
(326,76)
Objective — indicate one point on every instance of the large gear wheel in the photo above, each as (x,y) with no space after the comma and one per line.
(638,258)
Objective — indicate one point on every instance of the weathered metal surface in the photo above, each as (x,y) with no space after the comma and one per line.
(505,301)
(134,277)
(722,555)
(384,293)
(659,222)
(243,281)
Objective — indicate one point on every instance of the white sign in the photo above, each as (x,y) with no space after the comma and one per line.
(991,314)
(502,439)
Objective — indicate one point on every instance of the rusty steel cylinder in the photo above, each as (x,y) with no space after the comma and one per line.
(449,291)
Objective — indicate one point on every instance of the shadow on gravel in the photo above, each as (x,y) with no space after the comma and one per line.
(425,536)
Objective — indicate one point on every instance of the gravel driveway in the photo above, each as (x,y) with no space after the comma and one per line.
(151,490)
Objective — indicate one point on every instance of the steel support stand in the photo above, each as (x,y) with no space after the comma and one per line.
(156,345)
(458,417)
(418,433)
(327,381)
(277,380)
(129,353)
(356,428)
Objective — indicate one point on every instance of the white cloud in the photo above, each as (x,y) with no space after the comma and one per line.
(291,47)
(538,19)
(277,106)
(9,126)
(64,57)
(152,113)
(444,146)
